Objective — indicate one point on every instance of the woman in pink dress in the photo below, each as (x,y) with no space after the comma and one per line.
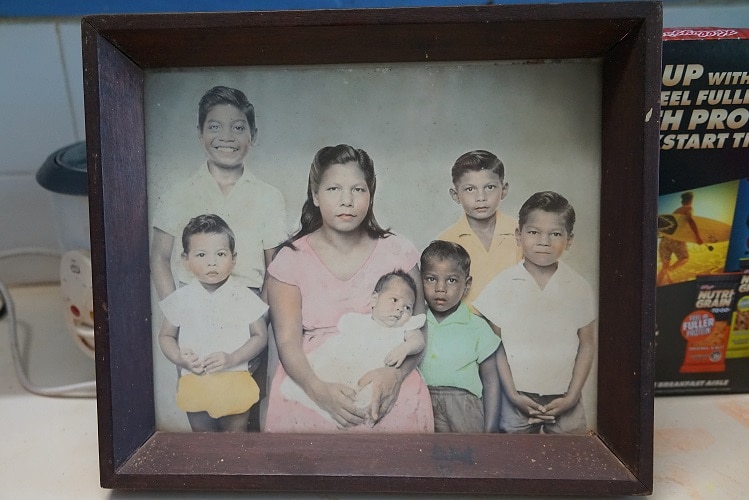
(330,268)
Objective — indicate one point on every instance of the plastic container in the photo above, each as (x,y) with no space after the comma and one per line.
(64,174)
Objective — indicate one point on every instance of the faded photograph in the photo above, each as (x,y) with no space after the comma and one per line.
(397,248)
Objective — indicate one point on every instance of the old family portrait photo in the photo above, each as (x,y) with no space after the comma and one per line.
(402,248)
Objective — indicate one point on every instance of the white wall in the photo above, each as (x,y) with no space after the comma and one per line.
(41,98)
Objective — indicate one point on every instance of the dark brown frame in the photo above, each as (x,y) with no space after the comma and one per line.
(616,459)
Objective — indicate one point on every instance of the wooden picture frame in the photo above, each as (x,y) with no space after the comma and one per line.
(614,460)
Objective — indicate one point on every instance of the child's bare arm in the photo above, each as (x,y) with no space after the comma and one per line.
(258,340)
(162,245)
(522,402)
(583,361)
(413,344)
(183,358)
(490,393)
(268,254)
(525,404)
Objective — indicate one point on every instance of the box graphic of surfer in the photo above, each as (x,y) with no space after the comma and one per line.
(694,229)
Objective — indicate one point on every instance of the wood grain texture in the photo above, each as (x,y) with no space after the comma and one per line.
(118,50)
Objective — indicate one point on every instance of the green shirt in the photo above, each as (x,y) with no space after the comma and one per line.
(455,348)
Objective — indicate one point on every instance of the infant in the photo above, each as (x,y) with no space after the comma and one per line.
(367,341)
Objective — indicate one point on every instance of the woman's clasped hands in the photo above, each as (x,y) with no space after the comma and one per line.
(340,400)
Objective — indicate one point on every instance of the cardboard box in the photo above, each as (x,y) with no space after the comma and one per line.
(702,341)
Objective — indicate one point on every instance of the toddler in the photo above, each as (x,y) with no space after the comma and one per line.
(459,365)
(213,327)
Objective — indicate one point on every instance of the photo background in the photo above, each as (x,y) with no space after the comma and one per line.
(542,119)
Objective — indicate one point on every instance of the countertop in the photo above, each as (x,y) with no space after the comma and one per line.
(50,445)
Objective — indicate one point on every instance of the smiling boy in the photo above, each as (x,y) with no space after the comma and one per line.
(222,185)
(487,234)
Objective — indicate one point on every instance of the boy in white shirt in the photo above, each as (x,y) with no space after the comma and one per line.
(545,313)
(213,327)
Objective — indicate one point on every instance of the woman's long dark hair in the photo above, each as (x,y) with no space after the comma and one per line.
(311,219)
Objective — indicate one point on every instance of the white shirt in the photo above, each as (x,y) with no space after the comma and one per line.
(213,322)
(253,209)
(539,327)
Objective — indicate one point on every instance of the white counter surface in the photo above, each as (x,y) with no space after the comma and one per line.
(49,446)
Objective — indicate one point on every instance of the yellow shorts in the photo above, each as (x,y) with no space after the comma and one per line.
(219,394)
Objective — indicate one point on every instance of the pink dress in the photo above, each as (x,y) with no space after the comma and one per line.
(325,299)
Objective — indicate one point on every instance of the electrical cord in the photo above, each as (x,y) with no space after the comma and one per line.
(77,390)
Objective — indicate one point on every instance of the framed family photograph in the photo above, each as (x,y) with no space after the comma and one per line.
(300,221)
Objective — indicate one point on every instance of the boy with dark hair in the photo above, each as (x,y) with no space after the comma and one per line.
(487,234)
(458,365)
(222,185)
(545,313)
(212,328)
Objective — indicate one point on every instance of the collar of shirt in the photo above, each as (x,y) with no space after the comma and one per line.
(246,177)
(501,228)
(229,283)
(561,275)
(462,315)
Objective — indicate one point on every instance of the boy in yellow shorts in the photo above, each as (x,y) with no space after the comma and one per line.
(213,327)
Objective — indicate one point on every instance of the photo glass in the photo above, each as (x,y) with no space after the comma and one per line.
(541,119)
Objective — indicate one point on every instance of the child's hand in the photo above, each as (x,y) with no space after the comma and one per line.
(542,419)
(396,357)
(535,411)
(192,361)
(560,405)
(217,361)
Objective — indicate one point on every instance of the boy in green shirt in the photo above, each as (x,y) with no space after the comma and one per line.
(459,364)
